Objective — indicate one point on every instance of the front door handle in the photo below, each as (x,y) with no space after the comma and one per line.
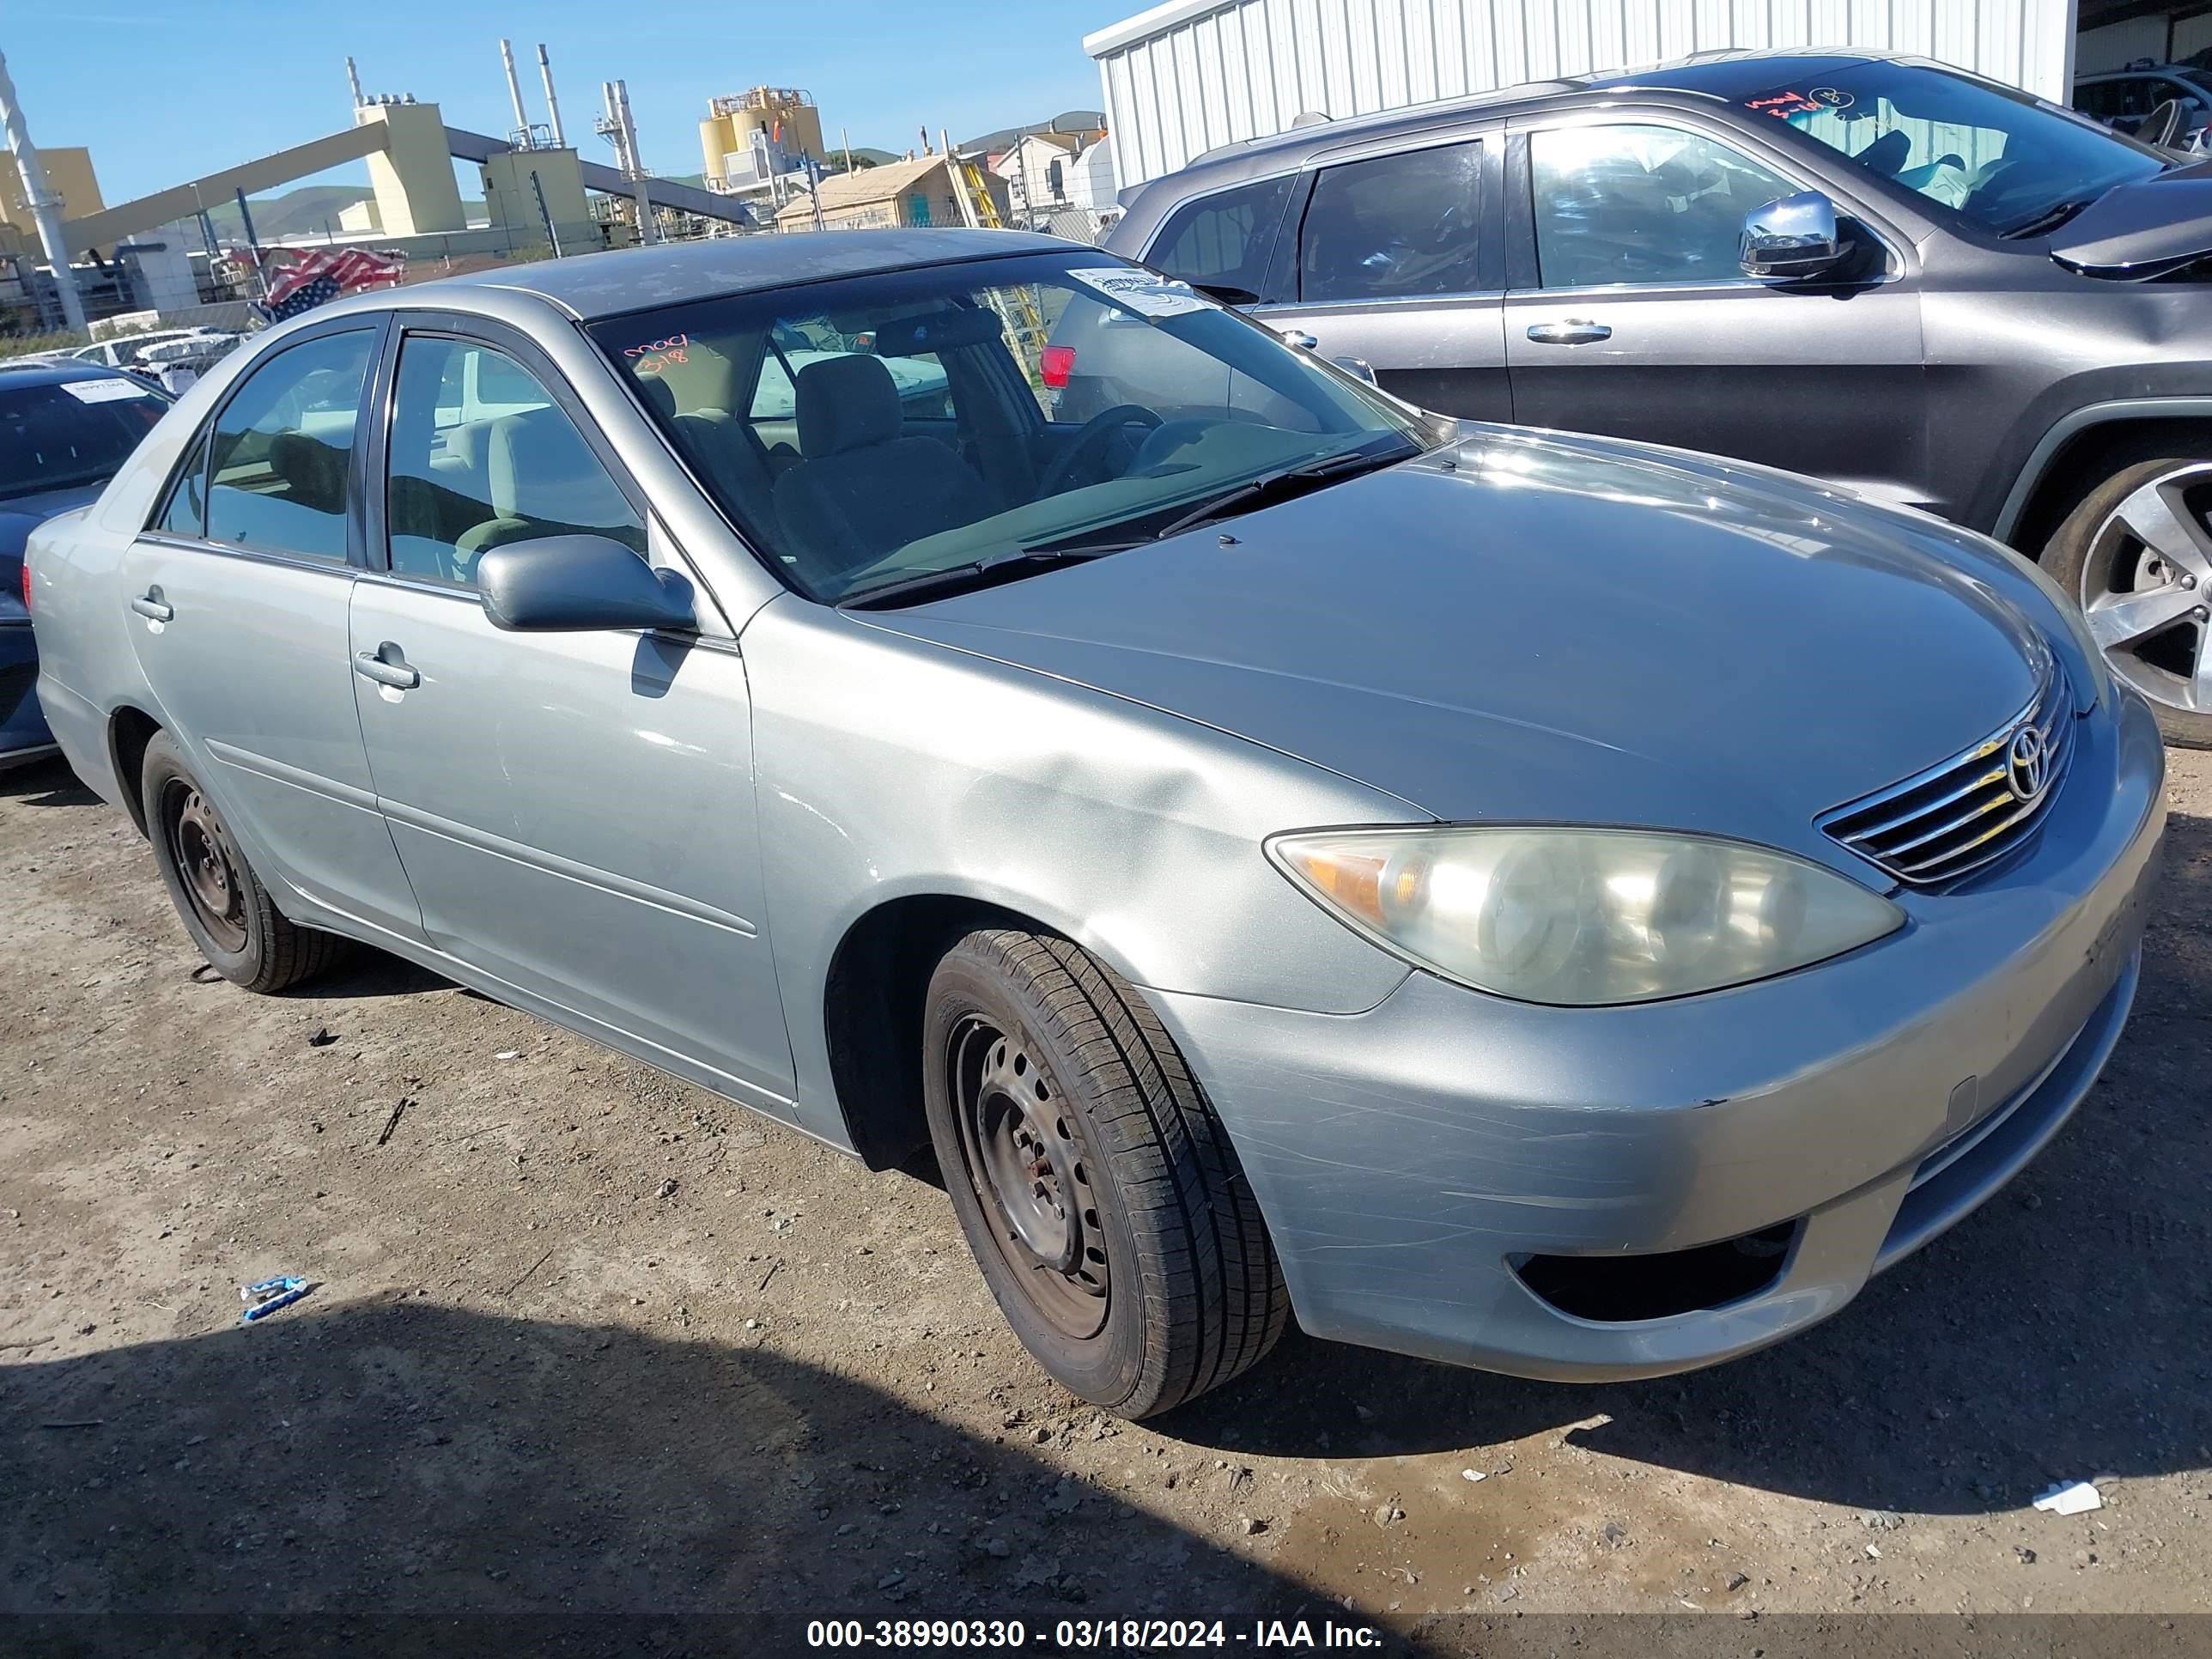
(150,606)
(393,671)
(1573,330)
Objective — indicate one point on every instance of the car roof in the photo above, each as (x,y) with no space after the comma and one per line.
(21,371)
(1727,75)
(608,284)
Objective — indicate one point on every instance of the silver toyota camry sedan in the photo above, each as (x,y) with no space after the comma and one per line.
(1559,906)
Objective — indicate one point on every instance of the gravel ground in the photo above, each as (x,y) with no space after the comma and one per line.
(586,1340)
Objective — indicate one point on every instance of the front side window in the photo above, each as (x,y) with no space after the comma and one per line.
(1016,410)
(2010,163)
(1224,241)
(481,455)
(282,446)
(1636,203)
(65,434)
(1393,226)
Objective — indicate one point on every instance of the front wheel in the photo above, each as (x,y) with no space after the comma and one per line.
(224,907)
(1097,1190)
(2136,555)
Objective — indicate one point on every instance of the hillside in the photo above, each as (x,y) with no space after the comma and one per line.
(302,211)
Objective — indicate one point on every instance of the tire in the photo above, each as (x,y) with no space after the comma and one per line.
(2097,558)
(1156,1280)
(224,907)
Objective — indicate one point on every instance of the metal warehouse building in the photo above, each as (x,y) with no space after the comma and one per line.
(1191,74)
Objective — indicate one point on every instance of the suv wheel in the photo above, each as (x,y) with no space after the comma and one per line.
(225,907)
(1096,1187)
(2136,554)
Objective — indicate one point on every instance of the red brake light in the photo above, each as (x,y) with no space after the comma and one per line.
(1056,364)
(26,579)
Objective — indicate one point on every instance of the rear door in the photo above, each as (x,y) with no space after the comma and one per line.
(1630,315)
(238,591)
(1396,259)
(574,810)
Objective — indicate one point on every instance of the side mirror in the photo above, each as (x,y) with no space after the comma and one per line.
(1793,237)
(1358,368)
(570,584)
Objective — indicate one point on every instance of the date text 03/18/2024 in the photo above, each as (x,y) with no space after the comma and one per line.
(986,1635)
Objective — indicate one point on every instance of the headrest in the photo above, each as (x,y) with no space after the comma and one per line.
(541,470)
(846,402)
(659,396)
(938,331)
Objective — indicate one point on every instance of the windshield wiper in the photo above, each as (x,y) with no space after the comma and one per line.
(2051,218)
(976,573)
(1288,481)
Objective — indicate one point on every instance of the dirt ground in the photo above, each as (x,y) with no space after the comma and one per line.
(584,1339)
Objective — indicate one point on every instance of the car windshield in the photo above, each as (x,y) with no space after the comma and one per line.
(989,416)
(2010,163)
(65,434)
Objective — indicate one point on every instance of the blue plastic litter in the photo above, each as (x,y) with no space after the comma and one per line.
(264,1298)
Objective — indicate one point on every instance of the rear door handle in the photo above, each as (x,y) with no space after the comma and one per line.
(397,675)
(1573,330)
(149,604)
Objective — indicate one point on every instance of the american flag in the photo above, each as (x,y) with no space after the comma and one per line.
(321,275)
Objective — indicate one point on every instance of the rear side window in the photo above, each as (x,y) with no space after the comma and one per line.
(1224,241)
(1393,225)
(186,513)
(282,447)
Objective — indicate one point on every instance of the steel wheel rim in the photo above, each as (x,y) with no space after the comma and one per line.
(1031,1172)
(2145,583)
(207,864)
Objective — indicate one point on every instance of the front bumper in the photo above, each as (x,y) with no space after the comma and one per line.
(1410,1160)
(23,734)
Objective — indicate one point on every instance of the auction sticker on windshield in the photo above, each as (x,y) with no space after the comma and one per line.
(104,391)
(1140,290)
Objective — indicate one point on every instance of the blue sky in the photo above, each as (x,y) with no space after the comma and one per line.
(164,90)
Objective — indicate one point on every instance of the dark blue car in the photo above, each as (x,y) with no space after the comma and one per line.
(65,429)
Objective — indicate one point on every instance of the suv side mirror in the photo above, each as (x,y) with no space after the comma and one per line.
(1797,236)
(571,584)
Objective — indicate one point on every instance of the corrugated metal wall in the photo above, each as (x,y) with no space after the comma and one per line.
(1186,77)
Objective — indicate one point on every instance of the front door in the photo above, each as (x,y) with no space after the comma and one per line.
(238,593)
(1397,262)
(575,809)
(1631,316)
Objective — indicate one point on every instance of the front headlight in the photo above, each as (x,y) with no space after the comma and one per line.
(1585,918)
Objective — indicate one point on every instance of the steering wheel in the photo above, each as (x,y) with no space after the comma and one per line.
(1097,432)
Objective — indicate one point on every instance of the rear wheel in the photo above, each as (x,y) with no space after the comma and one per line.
(2136,555)
(1096,1187)
(224,907)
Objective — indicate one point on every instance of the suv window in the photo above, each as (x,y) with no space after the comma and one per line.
(1642,204)
(481,455)
(1224,239)
(1393,225)
(282,447)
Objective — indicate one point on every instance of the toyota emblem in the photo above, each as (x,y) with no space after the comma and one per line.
(2027,763)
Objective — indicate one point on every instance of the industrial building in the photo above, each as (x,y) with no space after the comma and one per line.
(1192,74)
(751,138)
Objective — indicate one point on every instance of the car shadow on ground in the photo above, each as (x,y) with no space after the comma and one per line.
(2058,1332)
(46,783)
(389,1459)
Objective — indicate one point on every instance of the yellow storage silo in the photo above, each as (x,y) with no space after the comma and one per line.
(785,114)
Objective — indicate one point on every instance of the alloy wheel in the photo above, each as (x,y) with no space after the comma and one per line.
(2146,585)
(1027,1162)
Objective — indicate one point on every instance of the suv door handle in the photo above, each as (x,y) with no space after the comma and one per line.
(396,674)
(149,604)
(1573,330)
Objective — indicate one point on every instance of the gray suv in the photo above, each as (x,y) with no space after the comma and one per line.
(1918,284)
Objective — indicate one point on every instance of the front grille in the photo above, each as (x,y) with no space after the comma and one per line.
(1972,809)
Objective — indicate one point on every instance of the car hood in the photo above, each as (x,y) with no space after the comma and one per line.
(2145,229)
(1526,627)
(19,516)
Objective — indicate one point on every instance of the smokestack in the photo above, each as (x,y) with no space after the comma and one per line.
(552,104)
(45,211)
(353,80)
(514,91)
(613,128)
